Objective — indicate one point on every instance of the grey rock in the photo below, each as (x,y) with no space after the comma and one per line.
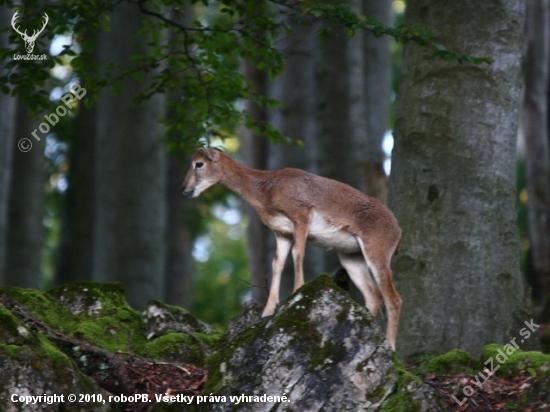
(250,318)
(161,318)
(320,350)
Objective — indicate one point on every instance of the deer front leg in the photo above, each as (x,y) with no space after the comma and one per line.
(283,247)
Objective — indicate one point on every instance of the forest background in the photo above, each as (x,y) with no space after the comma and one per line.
(460,91)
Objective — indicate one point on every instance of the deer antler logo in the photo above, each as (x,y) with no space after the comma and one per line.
(29,40)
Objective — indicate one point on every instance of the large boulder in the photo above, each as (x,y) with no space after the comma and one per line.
(319,352)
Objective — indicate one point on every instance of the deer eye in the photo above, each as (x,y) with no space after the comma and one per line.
(199,165)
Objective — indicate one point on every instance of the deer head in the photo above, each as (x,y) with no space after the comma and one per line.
(29,40)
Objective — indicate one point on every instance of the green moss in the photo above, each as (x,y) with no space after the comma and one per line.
(178,346)
(8,325)
(11,351)
(211,340)
(402,400)
(452,362)
(40,304)
(110,323)
(12,330)
(512,361)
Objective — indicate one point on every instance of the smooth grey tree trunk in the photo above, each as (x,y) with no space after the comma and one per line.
(452,186)
(296,89)
(181,212)
(7,129)
(130,220)
(25,234)
(76,248)
(535,125)
(180,265)
(378,73)
(255,152)
(342,110)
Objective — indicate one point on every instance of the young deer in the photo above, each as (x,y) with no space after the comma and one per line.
(300,206)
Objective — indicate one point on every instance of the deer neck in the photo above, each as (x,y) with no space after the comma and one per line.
(248,183)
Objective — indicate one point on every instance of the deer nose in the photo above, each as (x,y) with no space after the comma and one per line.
(186,193)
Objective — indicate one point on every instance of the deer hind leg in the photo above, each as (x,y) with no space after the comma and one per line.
(378,256)
(299,250)
(283,247)
(358,271)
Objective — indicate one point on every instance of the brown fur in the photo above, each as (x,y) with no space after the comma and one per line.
(300,206)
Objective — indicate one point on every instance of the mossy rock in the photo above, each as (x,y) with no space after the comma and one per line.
(162,318)
(511,361)
(323,351)
(99,313)
(95,312)
(181,347)
(411,394)
(32,365)
(452,362)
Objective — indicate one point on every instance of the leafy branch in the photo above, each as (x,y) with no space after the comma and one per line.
(197,64)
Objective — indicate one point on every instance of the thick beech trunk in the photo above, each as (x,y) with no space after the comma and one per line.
(130,218)
(452,186)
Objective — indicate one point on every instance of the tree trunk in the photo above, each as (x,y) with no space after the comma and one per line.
(255,156)
(342,109)
(130,180)
(452,186)
(25,234)
(76,248)
(180,265)
(296,89)
(7,128)
(535,112)
(181,213)
(378,73)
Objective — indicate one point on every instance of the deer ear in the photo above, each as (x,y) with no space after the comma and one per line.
(212,154)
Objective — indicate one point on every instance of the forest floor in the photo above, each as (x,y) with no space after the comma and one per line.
(494,394)
(465,384)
